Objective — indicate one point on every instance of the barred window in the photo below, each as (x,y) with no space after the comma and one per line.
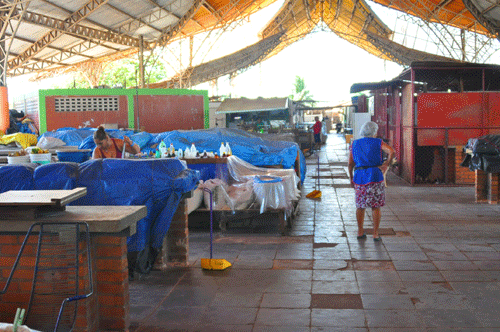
(83,104)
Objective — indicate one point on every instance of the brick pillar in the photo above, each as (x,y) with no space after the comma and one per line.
(493,188)
(481,187)
(19,291)
(112,286)
(462,174)
(178,236)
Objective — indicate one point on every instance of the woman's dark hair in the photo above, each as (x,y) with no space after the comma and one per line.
(100,134)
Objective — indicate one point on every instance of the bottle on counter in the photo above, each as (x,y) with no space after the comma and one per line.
(222,150)
(163,149)
(193,151)
(180,154)
(229,152)
(187,153)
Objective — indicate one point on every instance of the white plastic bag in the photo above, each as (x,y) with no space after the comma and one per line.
(220,198)
(49,143)
(240,195)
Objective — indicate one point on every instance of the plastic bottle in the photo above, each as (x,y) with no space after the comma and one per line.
(229,152)
(222,150)
(171,149)
(180,154)
(163,149)
(193,151)
(187,153)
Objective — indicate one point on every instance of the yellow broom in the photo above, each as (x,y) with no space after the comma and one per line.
(212,263)
(315,194)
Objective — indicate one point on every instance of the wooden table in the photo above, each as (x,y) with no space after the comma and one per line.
(108,309)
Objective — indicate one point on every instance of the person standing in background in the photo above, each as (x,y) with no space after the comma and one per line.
(366,160)
(317,132)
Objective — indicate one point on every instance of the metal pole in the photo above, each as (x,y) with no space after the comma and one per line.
(141,61)
(446,155)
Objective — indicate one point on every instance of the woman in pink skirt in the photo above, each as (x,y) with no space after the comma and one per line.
(367,164)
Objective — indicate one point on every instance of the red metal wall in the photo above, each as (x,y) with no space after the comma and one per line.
(452,110)
(56,120)
(161,113)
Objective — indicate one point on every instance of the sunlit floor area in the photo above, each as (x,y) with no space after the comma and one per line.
(436,269)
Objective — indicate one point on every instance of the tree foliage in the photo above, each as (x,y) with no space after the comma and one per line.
(299,92)
(121,73)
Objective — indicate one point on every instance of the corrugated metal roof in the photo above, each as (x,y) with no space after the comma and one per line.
(240,105)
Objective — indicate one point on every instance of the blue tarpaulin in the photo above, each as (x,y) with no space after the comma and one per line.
(246,146)
(156,183)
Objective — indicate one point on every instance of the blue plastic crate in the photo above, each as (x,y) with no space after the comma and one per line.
(76,156)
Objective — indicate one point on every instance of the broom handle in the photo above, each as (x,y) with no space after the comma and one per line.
(318,174)
(211,222)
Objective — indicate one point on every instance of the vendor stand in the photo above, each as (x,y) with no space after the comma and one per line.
(108,309)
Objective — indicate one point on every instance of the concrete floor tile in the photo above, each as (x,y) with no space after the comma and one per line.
(344,318)
(465,276)
(229,327)
(283,317)
(382,302)
(281,328)
(455,266)
(482,255)
(338,329)
(370,255)
(393,318)
(175,315)
(290,287)
(408,255)
(336,301)
(449,318)
(446,255)
(383,288)
(418,288)
(335,287)
(442,301)
(409,265)
(282,301)
(216,316)
(367,276)
(402,329)
(239,300)
(329,264)
(334,275)
(434,276)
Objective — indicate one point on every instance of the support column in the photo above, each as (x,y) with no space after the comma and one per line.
(141,61)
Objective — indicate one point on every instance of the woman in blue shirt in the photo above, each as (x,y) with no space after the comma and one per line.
(366,160)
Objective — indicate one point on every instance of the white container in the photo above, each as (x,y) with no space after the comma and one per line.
(41,158)
(229,152)
(222,150)
(193,151)
(19,159)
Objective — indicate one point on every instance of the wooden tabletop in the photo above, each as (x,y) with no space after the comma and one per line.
(35,198)
(101,219)
(191,161)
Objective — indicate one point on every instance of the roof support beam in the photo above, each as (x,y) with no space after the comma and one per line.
(76,50)
(48,38)
(79,30)
(139,20)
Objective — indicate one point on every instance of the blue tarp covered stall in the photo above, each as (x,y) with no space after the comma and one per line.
(244,145)
(157,183)
(250,148)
